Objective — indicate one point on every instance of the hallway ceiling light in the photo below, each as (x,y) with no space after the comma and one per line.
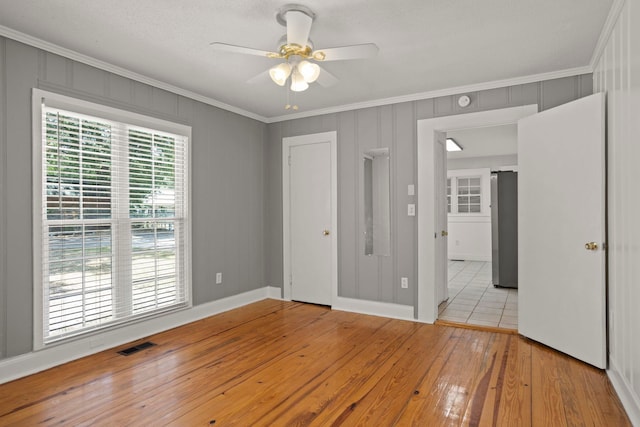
(452,145)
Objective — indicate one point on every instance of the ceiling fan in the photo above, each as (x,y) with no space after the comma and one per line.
(300,59)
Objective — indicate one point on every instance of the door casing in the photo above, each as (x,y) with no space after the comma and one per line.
(427,304)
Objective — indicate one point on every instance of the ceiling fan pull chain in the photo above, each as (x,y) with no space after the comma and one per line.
(288,105)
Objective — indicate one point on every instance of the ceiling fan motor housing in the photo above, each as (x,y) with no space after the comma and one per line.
(297,19)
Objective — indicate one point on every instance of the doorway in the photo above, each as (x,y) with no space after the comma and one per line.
(309,205)
(482,227)
(428,270)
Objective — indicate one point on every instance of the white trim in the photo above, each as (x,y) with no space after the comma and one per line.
(36,219)
(374,308)
(607,29)
(630,400)
(274,292)
(85,59)
(40,101)
(30,363)
(533,78)
(56,100)
(427,298)
(287,143)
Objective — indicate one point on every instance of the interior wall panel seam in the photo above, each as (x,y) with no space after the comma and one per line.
(394,216)
(356,188)
(3,198)
(379,275)
(414,225)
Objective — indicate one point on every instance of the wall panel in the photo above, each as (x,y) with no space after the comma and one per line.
(393,126)
(227,180)
(3,198)
(618,74)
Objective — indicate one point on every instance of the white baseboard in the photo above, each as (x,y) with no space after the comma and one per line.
(274,292)
(374,308)
(30,363)
(628,397)
(469,257)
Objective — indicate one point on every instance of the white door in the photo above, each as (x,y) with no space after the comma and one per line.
(441,232)
(561,229)
(310,219)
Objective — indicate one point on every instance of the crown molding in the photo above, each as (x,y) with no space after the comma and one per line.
(533,78)
(76,56)
(85,59)
(607,29)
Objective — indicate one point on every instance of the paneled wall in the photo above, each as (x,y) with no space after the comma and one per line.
(227,180)
(618,74)
(393,126)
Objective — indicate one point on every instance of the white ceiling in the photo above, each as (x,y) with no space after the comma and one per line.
(485,141)
(425,45)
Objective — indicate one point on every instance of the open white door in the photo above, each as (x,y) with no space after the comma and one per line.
(441,232)
(561,228)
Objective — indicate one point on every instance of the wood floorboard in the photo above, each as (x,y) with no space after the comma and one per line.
(276,363)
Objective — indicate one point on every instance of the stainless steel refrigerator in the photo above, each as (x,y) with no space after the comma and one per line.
(504,229)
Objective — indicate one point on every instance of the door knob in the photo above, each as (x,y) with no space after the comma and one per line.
(444,233)
(591,246)
(326,233)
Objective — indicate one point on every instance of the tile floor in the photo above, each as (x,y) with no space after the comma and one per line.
(473,299)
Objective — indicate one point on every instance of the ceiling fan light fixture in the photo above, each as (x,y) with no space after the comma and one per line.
(298,84)
(280,73)
(309,71)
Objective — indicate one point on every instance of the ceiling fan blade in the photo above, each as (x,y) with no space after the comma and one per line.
(358,51)
(326,79)
(298,27)
(263,77)
(224,47)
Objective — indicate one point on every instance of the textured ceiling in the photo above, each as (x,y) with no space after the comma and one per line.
(425,45)
(485,141)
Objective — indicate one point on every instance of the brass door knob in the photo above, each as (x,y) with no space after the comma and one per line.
(444,233)
(591,246)
(326,233)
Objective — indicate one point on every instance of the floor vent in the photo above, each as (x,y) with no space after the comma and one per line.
(129,351)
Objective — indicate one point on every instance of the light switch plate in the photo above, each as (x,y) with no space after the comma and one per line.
(404,282)
(218,278)
(411,190)
(411,209)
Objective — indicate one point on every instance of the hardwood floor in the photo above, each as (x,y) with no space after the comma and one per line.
(276,363)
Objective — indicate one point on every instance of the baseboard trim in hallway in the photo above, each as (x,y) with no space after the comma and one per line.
(477,327)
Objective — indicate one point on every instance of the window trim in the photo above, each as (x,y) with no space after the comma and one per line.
(112,114)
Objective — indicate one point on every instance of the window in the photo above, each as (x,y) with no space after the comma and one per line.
(469,195)
(465,192)
(113,236)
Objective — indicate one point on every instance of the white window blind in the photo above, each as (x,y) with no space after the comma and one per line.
(114,226)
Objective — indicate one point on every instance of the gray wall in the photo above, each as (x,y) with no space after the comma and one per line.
(236,180)
(227,180)
(394,126)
